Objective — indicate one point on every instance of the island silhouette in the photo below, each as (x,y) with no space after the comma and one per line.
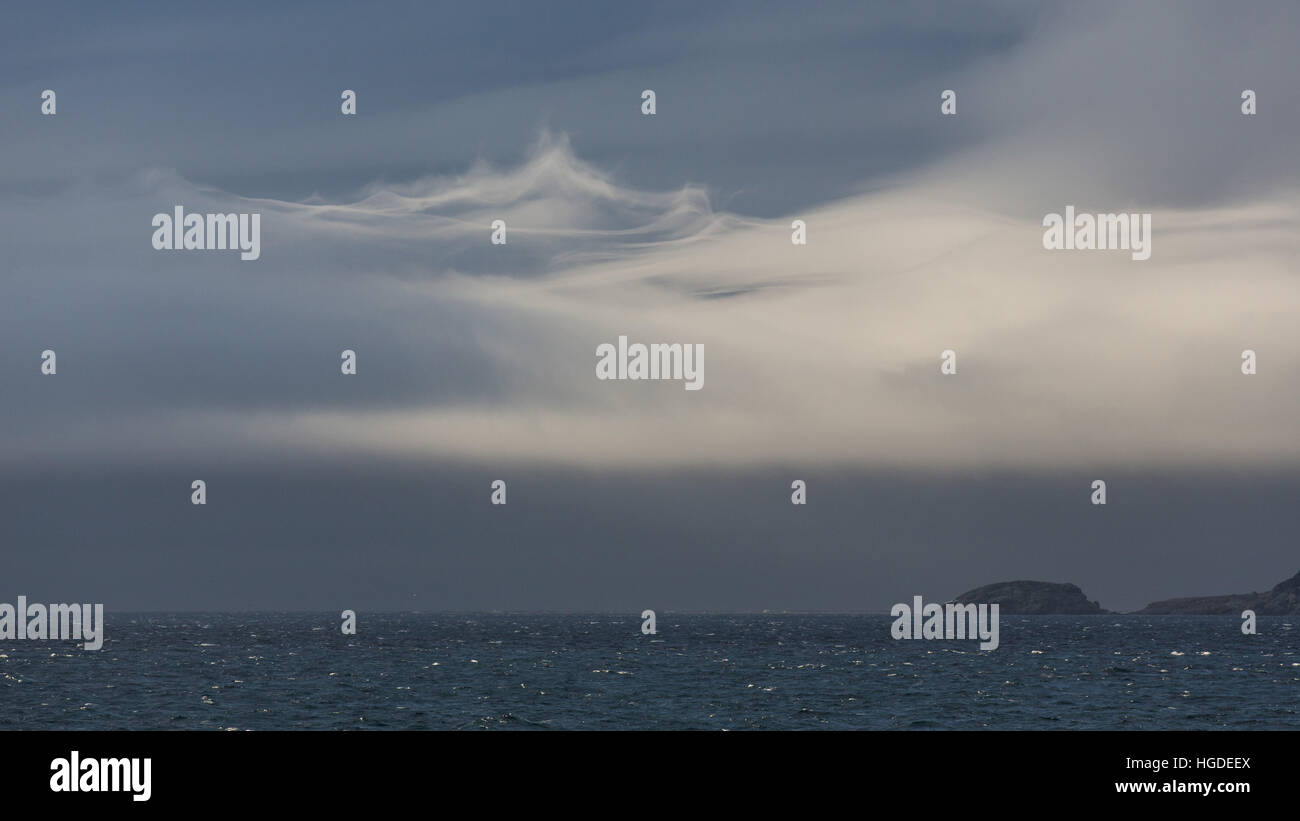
(1035,598)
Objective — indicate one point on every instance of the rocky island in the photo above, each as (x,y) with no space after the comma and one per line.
(1028,598)
(1282,600)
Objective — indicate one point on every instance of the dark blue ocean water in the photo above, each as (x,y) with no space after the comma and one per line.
(444,671)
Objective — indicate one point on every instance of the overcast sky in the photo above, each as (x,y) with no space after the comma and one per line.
(477,362)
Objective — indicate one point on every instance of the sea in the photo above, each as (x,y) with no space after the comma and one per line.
(598,671)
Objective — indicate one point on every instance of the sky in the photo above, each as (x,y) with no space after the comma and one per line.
(476,362)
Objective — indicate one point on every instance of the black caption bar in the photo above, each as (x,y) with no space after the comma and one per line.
(145,772)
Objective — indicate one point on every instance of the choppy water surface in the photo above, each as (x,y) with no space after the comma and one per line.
(442,671)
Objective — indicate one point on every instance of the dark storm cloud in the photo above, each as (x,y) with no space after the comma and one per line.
(772,105)
(380,536)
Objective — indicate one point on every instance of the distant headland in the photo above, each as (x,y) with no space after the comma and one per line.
(1031,598)
(1282,600)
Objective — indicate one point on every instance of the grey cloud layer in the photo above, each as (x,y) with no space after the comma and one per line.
(477,362)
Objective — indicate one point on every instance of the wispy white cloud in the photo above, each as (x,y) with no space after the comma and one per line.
(824,354)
